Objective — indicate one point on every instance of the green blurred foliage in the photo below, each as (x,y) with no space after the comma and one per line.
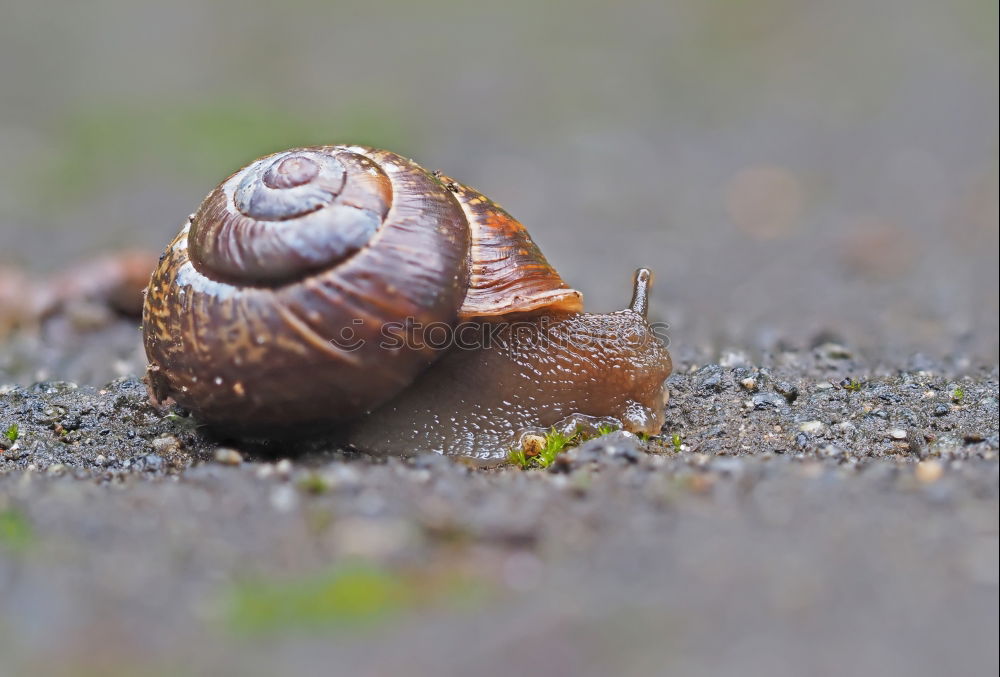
(16,533)
(104,146)
(349,597)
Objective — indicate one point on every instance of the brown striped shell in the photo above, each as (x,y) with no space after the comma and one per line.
(269,309)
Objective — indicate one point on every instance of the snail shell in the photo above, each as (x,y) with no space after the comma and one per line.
(268,313)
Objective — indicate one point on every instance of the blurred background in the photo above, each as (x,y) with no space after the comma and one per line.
(793,171)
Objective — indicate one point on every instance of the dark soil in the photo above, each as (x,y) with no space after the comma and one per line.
(813,512)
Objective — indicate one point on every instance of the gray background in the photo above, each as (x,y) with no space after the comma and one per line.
(788,168)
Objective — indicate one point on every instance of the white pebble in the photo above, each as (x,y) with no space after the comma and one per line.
(227,456)
(928,471)
(283,468)
(812,427)
(166,444)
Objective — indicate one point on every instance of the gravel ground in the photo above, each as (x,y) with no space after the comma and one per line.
(813,515)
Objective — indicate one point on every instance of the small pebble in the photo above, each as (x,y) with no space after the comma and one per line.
(227,456)
(812,427)
(897,434)
(787,390)
(49,415)
(928,471)
(767,401)
(709,379)
(532,445)
(166,444)
(831,451)
(740,373)
(834,351)
(619,444)
(749,383)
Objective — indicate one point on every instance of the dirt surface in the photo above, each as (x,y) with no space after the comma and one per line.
(806,515)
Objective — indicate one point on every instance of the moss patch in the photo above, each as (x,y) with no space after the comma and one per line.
(15,530)
(350,597)
(542,453)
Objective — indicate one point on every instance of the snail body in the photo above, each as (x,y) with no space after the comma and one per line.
(306,291)
(561,370)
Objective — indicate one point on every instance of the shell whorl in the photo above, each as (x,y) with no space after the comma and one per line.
(288,215)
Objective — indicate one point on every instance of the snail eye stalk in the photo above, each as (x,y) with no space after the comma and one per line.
(642,283)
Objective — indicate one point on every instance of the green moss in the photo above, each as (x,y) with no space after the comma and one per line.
(957,395)
(15,530)
(350,597)
(314,483)
(853,385)
(675,440)
(519,458)
(12,432)
(553,444)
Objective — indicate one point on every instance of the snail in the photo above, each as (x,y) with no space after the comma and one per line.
(346,288)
